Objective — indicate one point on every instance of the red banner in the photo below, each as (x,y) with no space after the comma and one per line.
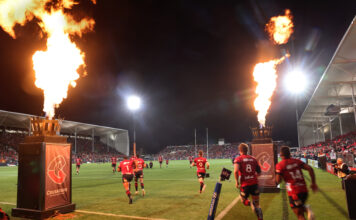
(58,188)
(264,155)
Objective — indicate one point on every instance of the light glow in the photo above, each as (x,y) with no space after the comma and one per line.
(133,103)
(296,82)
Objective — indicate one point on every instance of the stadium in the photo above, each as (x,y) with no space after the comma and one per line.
(53,168)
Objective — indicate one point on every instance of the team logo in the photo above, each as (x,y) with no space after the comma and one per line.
(55,170)
(263,159)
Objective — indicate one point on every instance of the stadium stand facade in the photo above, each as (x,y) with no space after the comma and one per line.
(92,143)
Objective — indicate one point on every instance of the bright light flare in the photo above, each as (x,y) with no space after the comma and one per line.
(133,103)
(265,74)
(280,28)
(296,82)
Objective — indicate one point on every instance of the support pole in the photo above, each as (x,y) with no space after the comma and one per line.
(75,140)
(195,142)
(207,144)
(353,101)
(331,129)
(317,130)
(296,114)
(340,124)
(107,142)
(313,132)
(92,140)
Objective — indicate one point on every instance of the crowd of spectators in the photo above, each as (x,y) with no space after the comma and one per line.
(339,146)
(183,152)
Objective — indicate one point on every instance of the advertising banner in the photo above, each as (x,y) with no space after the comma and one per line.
(313,163)
(330,168)
(265,157)
(303,159)
(57,180)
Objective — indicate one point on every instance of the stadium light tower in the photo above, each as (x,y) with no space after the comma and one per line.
(134,104)
(296,83)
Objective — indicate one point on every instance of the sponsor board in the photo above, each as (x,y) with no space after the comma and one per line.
(264,154)
(313,163)
(57,181)
(330,168)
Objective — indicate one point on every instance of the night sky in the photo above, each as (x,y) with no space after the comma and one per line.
(190,61)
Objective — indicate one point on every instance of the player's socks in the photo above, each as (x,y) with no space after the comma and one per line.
(309,212)
(201,187)
(142,186)
(247,202)
(259,214)
(136,186)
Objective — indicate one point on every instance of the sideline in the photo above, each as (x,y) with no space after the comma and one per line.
(102,213)
(227,209)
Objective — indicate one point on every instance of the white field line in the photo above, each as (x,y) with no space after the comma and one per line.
(227,209)
(7,203)
(115,215)
(102,213)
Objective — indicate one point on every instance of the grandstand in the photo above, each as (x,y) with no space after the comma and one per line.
(93,143)
(331,109)
(329,120)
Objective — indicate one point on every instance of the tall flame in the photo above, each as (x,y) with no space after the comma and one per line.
(280,28)
(56,68)
(265,75)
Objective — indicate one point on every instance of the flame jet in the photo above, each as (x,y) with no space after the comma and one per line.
(279,29)
(57,67)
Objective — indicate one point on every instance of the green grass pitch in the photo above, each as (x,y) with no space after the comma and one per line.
(173,193)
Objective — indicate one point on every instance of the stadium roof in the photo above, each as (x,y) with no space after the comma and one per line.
(335,86)
(114,137)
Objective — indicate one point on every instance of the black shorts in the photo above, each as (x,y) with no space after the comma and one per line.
(160,162)
(78,166)
(247,190)
(113,165)
(201,175)
(298,200)
(139,174)
(127,177)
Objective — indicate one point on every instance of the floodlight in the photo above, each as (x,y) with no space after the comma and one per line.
(133,102)
(296,82)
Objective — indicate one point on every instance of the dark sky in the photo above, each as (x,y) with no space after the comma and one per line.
(190,61)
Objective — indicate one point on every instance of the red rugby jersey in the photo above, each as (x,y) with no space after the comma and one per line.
(291,171)
(78,161)
(200,163)
(248,170)
(113,160)
(140,163)
(126,166)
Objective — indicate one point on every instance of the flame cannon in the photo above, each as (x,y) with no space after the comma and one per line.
(263,149)
(44,174)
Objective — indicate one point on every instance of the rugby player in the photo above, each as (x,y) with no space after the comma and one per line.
(290,170)
(190,161)
(167,161)
(138,172)
(160,160)
(247,168)
(78,161)
(126,168)
(200,162)
(113,164)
